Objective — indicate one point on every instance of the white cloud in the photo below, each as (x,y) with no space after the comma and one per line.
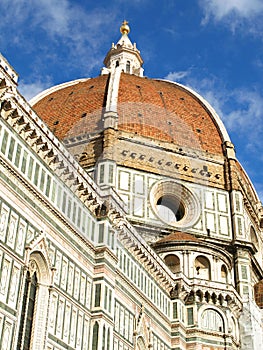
(219,9)
(177,76)
(237,15)
(29,90)
(78,31)
(241,110)
(249,111)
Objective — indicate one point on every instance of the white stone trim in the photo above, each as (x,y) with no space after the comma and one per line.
(113,90)
(250,183)
(47,92)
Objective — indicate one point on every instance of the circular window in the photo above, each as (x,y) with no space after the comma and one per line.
(174,204)
(170,209)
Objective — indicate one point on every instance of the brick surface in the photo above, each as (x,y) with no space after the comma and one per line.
(74,109)
(166,112)
(154,109)
(178,236)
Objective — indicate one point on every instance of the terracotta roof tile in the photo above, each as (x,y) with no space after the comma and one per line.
(167,112)
(74,109)
(178,236)
(156,109)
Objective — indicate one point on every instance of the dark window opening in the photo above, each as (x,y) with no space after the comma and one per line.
(95,336)
(170,209)
(128,67)
(27,314)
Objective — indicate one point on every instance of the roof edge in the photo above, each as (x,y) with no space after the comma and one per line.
(48,91)
(252,187)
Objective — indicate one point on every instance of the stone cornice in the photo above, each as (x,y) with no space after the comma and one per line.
(138,247)
(192,290)
(102,203)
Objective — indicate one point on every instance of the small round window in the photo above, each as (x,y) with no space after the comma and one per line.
(174,204)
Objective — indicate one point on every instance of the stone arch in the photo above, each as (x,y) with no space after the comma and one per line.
(202,267)
(141,344)
(39,262)
(128,66)
(101,337)
(234,328)
(108,339)
(199,295)
(211,318)
(224,273)
(190,298)
(173,262)
(142,331)
(95,335)
(34,308)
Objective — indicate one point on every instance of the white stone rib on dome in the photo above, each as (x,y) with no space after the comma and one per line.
(48,91)
(251,184)
(213,113)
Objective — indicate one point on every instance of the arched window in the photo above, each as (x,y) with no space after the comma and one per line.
(141,344)
(103,338)
(234,327)
(224,274)
(117,64)
(212,321)
(108,339)
(173,262)
(34,312)
(202,268)
(95,336)
(128,67)
(26,322)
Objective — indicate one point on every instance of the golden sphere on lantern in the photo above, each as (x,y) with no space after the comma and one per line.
(124,29)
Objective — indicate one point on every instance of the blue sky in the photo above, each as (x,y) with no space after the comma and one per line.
(213,46)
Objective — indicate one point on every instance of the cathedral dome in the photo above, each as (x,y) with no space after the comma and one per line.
(151,108)
(134,196)
(157,109)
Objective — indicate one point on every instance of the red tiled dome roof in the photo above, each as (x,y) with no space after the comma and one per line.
(156,109)
(64,108)
(178,236)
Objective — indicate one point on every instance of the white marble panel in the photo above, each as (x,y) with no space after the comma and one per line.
(223,225)
(210,221)
(138,206)
(222,202)
(3,221)
(209,200)
(124,180)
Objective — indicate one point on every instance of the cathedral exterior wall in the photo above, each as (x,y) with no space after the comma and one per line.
(93,254)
